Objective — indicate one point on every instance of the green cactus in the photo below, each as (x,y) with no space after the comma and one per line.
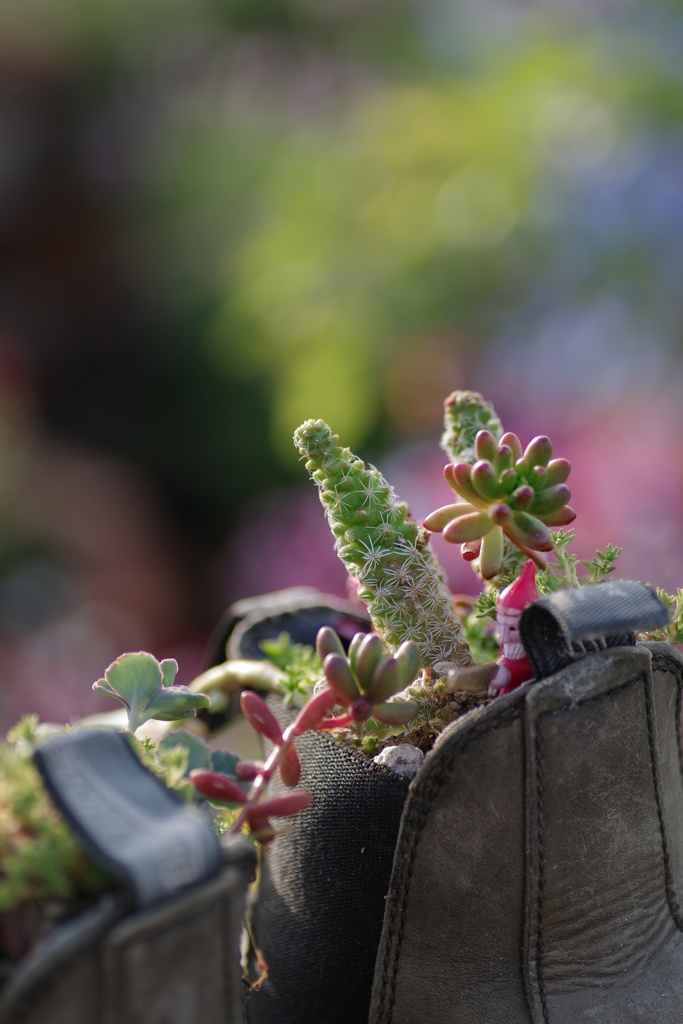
(465,414)
(385,551)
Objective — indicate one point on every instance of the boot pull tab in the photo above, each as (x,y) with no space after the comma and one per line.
(143,834)
(569,624)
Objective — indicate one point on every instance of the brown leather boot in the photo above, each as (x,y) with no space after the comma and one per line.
(540,858)
(537,860)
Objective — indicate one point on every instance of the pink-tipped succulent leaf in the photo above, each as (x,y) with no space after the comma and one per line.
(217,786)
(290,768)
(506,493)
(260,717)
(366,680)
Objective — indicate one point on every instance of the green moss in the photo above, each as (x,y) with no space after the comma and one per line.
(39,858)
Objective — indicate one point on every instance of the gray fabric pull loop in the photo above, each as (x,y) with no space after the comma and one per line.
(125,818)
(566,626)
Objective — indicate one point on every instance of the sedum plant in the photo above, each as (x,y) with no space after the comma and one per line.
(508,493)
(360,687)
(368,678)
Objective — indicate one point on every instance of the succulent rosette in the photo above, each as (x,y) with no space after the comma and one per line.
(364,682)
(508,492)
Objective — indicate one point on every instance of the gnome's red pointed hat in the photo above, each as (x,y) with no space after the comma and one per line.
(509,607)
(518,594)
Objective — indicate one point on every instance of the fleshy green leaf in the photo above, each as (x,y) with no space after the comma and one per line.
(133,679)
(169,670)
(102,686)
(173,702)
(395,712)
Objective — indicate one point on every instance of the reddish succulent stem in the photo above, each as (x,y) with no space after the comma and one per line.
(279,752)
(338,722)
(258,789)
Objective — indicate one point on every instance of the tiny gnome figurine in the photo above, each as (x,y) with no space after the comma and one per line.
(514,668)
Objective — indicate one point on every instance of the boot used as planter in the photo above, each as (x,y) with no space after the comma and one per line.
(534,855)
(538,867)
(164,944)
(529,871)
(318,917)
(482,796)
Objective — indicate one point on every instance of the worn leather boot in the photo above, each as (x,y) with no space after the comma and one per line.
(536,856)
(162,943)
(540,858)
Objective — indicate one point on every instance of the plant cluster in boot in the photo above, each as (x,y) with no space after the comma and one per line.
(430,656)
(512,498)
(40,861)
(45,876)
(358,687)
(512,512)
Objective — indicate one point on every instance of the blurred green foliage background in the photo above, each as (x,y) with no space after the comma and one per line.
(221,217)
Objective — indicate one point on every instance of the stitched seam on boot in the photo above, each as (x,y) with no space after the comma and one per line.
(411,834)
(658,663)
(539,811)
(671,895)
(541,880)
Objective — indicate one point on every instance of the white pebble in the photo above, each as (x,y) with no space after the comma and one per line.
(404,759)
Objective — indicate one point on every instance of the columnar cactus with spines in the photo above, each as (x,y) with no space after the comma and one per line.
(465,414)
(385,551)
